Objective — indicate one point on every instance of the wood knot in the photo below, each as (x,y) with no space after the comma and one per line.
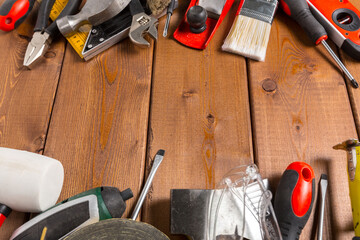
(269,85)
(27,38)
(39,143)
(188,94)
(50,54)
(210,118)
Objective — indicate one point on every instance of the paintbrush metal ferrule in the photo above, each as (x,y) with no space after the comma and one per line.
(263,10)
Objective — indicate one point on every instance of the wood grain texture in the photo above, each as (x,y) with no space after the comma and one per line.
(26,98)
(99,123)
(199,115)
(300,109)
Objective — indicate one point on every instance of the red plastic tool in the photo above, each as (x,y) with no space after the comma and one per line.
(14,12)
(294,199)
(342,22)
(300,12)
(4,213)
(200,40)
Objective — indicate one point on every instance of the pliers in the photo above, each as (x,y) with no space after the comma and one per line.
(43,34)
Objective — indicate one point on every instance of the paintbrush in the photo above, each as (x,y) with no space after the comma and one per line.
(250,32)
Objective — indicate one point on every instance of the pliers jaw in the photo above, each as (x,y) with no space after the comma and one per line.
(37,48)
(143,24)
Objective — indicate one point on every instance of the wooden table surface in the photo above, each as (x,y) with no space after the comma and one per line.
(211,111)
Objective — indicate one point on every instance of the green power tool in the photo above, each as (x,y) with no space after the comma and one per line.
(74,213)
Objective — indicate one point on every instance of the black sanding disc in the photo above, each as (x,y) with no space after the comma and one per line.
(117,228)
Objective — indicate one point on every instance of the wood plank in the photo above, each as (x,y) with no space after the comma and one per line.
(99,125)
(199,114)
(26,98)
(300,109)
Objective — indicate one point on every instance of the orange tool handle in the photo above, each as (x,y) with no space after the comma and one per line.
(14,12)
(341,20)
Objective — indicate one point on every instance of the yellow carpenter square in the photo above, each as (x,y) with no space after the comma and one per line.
(78,40)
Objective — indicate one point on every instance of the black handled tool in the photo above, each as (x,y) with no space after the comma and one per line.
(43,34)
(294,199)
(300,12)
(74,213)
(14,12)
(169,13)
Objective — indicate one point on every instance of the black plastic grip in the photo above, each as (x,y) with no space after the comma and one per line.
(290,224)
(58,224)
(300,12)
(6,7)
(171,7)
(115,200)
(44,12)
(43,15)
(14,17)
(5,210)
(135,7)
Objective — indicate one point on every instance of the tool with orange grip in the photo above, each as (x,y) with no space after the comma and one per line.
(300,12)
(14,12)
(342,22)
(294,199)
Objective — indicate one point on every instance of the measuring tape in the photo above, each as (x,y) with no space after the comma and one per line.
(77,40)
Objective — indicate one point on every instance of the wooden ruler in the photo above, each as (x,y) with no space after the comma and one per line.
(78,40)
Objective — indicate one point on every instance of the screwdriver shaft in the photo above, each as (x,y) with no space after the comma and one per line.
(341,65)
(322,192)
(167,24)
(170,10)
(158,159)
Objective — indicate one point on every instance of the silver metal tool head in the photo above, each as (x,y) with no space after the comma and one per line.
(143,24)
(323,185)
(37,48)
(94,12)
(157,161)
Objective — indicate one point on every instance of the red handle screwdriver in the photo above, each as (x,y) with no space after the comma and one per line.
(300,12)
(14,12)
(294,199)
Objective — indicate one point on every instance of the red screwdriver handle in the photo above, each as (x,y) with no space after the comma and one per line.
(300,12)
(4,213)
(294,199)
(14,12)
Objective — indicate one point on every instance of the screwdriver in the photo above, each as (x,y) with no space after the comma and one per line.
(170,10)
(14,12)
(300,12)
(294,199)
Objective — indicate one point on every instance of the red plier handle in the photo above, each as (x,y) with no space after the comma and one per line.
(14,12)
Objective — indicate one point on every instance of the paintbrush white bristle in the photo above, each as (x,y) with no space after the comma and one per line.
(248,37)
